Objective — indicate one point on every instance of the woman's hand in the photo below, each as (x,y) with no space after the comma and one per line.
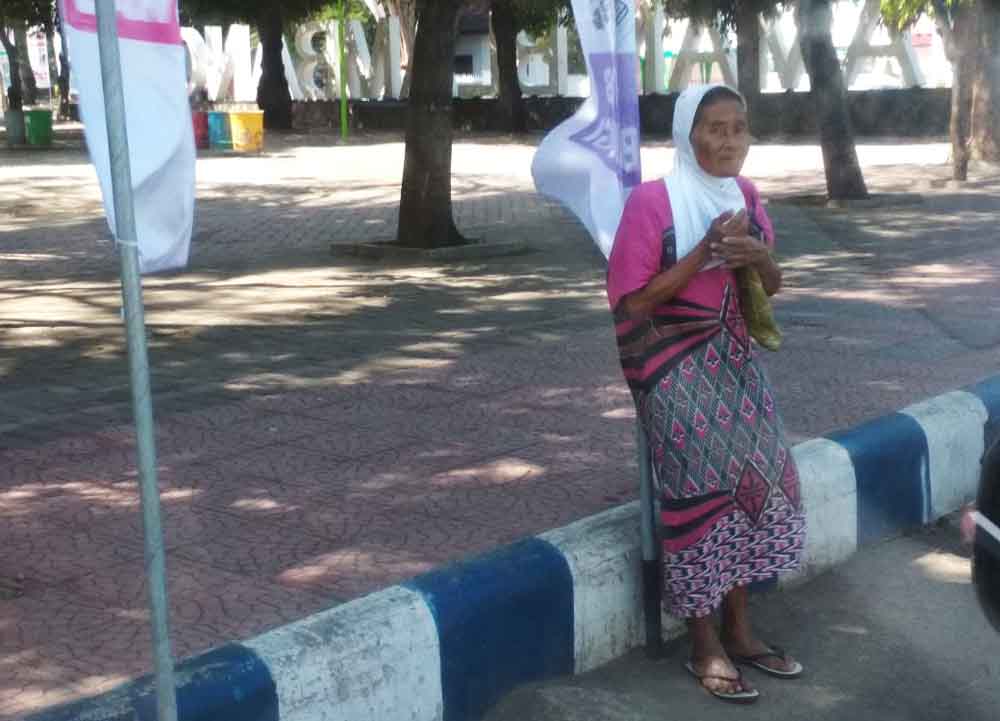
(738,251)
(667,284)
(727,224)
(745,251)
(729,240)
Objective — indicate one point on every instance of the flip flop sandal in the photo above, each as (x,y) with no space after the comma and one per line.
(776,652)
(743,696)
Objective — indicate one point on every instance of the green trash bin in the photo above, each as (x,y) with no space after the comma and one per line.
(38,127)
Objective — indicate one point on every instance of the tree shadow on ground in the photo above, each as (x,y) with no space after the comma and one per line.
(357,419)
(261,295)
(238,310)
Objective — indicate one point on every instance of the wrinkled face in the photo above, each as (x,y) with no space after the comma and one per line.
(721,138)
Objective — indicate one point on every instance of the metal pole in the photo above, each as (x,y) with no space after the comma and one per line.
(142,406)
(650,550)
(343,68)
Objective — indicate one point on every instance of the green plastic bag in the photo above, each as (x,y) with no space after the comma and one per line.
(757,311)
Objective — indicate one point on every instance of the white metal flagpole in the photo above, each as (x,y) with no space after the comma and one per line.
(135,326)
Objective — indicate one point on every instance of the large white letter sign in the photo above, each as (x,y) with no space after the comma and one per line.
(158,121)
(591,162)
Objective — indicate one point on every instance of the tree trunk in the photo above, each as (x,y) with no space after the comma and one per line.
(963,60)
(510,102)
(380,52)
(273,96)
(406,11)
(28,87)
(748,56)
(943,23)
(15,97)
(50,52)
(986,86)
(64,103)
(425,214)
(844,179)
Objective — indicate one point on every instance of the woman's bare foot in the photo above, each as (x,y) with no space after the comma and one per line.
(739,641)
(967,524)
(709,661)
(764,655)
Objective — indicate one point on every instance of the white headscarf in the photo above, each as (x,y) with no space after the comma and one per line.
(696,198)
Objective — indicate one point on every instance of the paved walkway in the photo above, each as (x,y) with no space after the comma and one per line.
(895,634)
(327,428)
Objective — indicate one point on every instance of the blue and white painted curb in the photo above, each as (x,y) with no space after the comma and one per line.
(447,645)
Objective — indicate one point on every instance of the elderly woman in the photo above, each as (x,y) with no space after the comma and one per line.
(730,503)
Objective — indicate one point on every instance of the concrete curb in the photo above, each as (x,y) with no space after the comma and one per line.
(447,645)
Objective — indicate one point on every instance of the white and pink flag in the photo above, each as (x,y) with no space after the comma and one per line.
(591,162)
(158,121)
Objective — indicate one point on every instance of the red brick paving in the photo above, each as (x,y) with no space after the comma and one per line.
(393,443)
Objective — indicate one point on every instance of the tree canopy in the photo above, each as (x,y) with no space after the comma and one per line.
(723,12)
(223,11)
(537,17)
(26,12)
(901,14)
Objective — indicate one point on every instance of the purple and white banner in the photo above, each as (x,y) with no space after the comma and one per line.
(158,121)
(590,163)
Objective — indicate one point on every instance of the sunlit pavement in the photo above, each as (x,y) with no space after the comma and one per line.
(326,429)
(895,634)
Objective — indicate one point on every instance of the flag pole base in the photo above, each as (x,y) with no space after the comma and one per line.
(651,606)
